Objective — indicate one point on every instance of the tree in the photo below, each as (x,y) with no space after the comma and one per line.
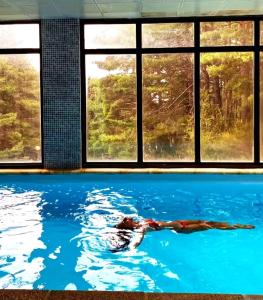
(112,110)
(168,106)
(19,109)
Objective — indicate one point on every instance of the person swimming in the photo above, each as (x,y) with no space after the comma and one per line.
(128,225)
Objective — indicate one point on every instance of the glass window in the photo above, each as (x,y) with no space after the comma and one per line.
(230,33)
(167,35)
(227,107)
(110,36)
(19,36)
(168,107)
(261,106)
(20,138)
(111,107)
(167,78)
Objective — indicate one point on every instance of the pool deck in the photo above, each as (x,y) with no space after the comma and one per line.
(134,170)
(82,295)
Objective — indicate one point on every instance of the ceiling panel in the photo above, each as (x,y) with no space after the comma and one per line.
(119,8)
(91,11)
(160,7)
(37,9)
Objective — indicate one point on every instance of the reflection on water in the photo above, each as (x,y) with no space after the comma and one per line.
(20,232)
(105,270)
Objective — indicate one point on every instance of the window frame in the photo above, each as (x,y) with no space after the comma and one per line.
(24,165)
(255,49)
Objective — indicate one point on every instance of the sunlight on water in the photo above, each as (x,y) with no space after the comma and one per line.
(103,270)
(20,233)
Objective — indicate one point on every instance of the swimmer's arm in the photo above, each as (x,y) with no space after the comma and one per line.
(138,238)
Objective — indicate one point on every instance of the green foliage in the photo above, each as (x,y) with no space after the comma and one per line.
(19,109)
(227,106)
(168,35)
(230,33)
(168,111)
(111,112)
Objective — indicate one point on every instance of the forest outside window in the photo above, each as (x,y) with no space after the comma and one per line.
(196,84)
(20,108)
(167,35)
(261,93)
(226,93)
(261,32)
(111,107)
(168,107)
(111,94)
(227,106)
(229,33)
(261,106)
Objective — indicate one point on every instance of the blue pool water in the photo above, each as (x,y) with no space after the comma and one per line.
(56,232)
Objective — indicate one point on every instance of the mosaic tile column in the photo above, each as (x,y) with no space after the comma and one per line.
(61,93)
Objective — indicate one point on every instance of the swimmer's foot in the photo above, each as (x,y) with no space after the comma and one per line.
(244,226)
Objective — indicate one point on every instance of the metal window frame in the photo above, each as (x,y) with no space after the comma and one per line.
(196,50)
(30,165)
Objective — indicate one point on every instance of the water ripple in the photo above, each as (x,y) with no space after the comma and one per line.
(20,232)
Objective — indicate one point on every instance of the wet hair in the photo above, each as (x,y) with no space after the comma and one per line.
(123,224)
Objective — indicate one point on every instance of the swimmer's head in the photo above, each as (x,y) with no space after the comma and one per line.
(127,223)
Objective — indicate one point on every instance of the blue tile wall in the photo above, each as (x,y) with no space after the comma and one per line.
(61,93)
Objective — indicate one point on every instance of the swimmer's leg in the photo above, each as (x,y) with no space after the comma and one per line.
(241,226)
(226,226)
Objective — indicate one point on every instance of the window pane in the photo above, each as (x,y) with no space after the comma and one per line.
(238,33)
(168,107)
(261,106)
(20,139)
(19,36)
(227,107)
(110,36)
(111,107)
(166,35)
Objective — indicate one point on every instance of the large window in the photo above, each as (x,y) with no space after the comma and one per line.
(229,33)
(111,107)
(261,92)
(170,93)
(261,106)
(227,106)
(168,107)
(111,93)
(20,111)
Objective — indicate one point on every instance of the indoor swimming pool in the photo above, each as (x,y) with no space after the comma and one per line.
(58,232)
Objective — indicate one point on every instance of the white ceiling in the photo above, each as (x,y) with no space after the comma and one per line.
(36,9)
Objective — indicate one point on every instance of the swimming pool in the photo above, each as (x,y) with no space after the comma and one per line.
(63,225)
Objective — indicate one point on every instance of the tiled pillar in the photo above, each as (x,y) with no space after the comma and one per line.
(61,93)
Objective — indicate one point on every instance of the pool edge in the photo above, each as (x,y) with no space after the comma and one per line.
(133,170)
(97,295)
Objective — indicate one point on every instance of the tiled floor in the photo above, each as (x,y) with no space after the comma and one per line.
(74,295)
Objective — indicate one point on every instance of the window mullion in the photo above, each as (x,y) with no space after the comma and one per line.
(197,91)
(139,93)
(256,92)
